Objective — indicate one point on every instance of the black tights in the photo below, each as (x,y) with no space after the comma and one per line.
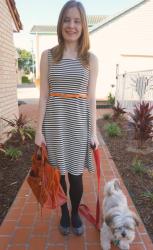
(75,192)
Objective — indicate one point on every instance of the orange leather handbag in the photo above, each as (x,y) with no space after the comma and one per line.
(44,180)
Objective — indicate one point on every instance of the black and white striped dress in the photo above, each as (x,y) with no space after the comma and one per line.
(66,125)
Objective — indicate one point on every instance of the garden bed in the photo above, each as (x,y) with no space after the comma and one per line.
(12,174)
(139,182)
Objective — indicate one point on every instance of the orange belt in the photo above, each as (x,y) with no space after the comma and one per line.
(65,95)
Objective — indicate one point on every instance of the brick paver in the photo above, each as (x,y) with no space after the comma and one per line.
(24,228)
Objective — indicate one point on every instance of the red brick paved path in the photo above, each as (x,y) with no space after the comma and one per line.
(24,229)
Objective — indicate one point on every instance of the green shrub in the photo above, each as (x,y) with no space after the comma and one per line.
(113,129)
(106,116)
(111,99)
(25,79)
(13,153)
(138,167)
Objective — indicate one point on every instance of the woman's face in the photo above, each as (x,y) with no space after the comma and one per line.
(72,26)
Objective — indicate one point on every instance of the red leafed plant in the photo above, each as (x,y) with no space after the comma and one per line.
(18,127)
(2,148)
(142,123)
(118,111)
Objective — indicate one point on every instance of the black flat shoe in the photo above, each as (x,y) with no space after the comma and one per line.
(78,230)
(64,230)
(64,226)
(77,226)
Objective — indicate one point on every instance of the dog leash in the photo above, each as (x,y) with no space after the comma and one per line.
(83,209)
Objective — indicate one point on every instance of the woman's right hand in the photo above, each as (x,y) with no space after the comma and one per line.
(39,139)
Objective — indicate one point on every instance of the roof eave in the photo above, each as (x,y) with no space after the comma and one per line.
(15,16)
(42,33)
(114,17)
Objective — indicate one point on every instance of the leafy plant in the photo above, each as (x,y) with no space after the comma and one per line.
(25,60)
(111,99)
(142,123)
(19,127)
(113,129)
(138,167)
(30,131)
(149,195)
(13,153)
(118,111)
(25,79)
(106,116)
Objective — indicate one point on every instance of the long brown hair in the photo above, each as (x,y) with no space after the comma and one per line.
(83,42)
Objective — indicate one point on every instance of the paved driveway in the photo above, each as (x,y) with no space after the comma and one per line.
(28,93)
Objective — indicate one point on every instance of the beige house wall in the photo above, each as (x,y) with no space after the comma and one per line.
(8,76)
(126,41)
(41,43)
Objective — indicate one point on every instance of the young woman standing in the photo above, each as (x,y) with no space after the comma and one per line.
(67,107)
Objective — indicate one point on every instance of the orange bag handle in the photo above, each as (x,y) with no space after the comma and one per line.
(41,152)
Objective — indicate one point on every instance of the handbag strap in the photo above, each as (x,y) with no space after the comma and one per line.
(83,209)
(44,153)
(41,152)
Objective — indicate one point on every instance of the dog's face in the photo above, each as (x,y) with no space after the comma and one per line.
(122,227)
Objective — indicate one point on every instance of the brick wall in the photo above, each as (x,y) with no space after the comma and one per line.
(8,76)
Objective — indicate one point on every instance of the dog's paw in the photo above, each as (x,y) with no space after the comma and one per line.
(106,246)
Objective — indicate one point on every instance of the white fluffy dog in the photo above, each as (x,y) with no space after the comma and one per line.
(119,221)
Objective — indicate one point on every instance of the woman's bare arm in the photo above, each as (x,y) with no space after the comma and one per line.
(92,96)
(43,96)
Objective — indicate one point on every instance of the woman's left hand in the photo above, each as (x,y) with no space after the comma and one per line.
(94,142)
